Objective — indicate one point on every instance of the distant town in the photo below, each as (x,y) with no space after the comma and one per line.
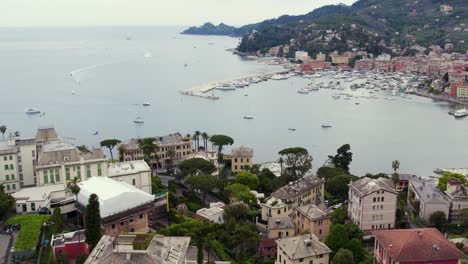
(182,198)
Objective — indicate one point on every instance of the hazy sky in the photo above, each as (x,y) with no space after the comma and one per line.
(22,13)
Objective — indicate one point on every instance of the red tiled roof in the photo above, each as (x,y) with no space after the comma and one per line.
(423,244)
(267,243)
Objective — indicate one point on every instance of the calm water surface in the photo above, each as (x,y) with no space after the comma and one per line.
(112,74)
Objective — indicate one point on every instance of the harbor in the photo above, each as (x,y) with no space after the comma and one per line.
(207,90)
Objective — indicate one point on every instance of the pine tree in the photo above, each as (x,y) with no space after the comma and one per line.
(58,220)
(93,221)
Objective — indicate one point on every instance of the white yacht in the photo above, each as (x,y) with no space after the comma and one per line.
(146,104)
(138,120)
(303,91)
(460,113)
(279,77)
(33,110)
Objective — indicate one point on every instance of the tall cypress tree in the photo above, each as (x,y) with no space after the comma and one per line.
(93,221)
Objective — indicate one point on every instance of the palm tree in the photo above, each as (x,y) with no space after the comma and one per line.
(197,134)
(194,138)
(395,167)
(170,153)
(122,149)
(205,140)
(3,129)
(75,189)
(281,161)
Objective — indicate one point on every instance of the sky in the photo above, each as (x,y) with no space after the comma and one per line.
(57,13)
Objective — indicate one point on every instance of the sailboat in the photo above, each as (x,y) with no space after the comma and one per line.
(138,120)
(248,115)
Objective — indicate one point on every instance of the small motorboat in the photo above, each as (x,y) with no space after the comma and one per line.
(326,125)
(248,117)
(356,103)
(291,129)
(146,104)
(73,92)
(32,110)
(138,120)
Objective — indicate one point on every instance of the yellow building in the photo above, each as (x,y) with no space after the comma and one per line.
(301,250)
(340,59)
(308,190)
(241,159)
(279,227)
(462,91)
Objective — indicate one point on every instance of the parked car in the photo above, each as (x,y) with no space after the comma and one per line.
(44,210)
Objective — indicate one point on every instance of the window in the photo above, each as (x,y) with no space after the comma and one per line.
(242,160)
(131,220)
(67,173)
(6,165)
(57,175)
(88,171)
(122,223)
(382,199)
(13,186)
(5,158)
(247,159)
(11,166)
(12,176)
(141,216)
(113,226)
(301,260)
(78,171)
(320,231)
(11,157)
(374,199)
(235,160)
(7,177)
(33,153)
(46,177)
(381,207)
(133,181)
(99,169)
(8,187)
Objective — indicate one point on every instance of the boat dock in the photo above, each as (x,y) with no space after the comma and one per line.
(207,90)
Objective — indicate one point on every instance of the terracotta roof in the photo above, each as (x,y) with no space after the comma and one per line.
(242,152)
(298,187)
(423,244)
(268,243)
(366,185)
(303,246)
(313,211)
(280,223)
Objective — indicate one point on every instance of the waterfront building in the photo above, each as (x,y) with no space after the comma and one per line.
(313,65)
(457,196)
(130,248)
(71,244)
(51,196)
(301,55)
(425,199)
(26,161)
(123,207)
(241,159)
(9,174)
(180,146)
(59,162)
(280,227)
(302,249)
(372,203)
(339,59)
(409,246)
(282,202)
(136,173)
(312,218)
(462,91)
(320,57)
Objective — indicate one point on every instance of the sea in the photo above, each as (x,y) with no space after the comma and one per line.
(90,84)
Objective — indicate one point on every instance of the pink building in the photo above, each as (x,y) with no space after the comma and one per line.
(414,246)
(372,203)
